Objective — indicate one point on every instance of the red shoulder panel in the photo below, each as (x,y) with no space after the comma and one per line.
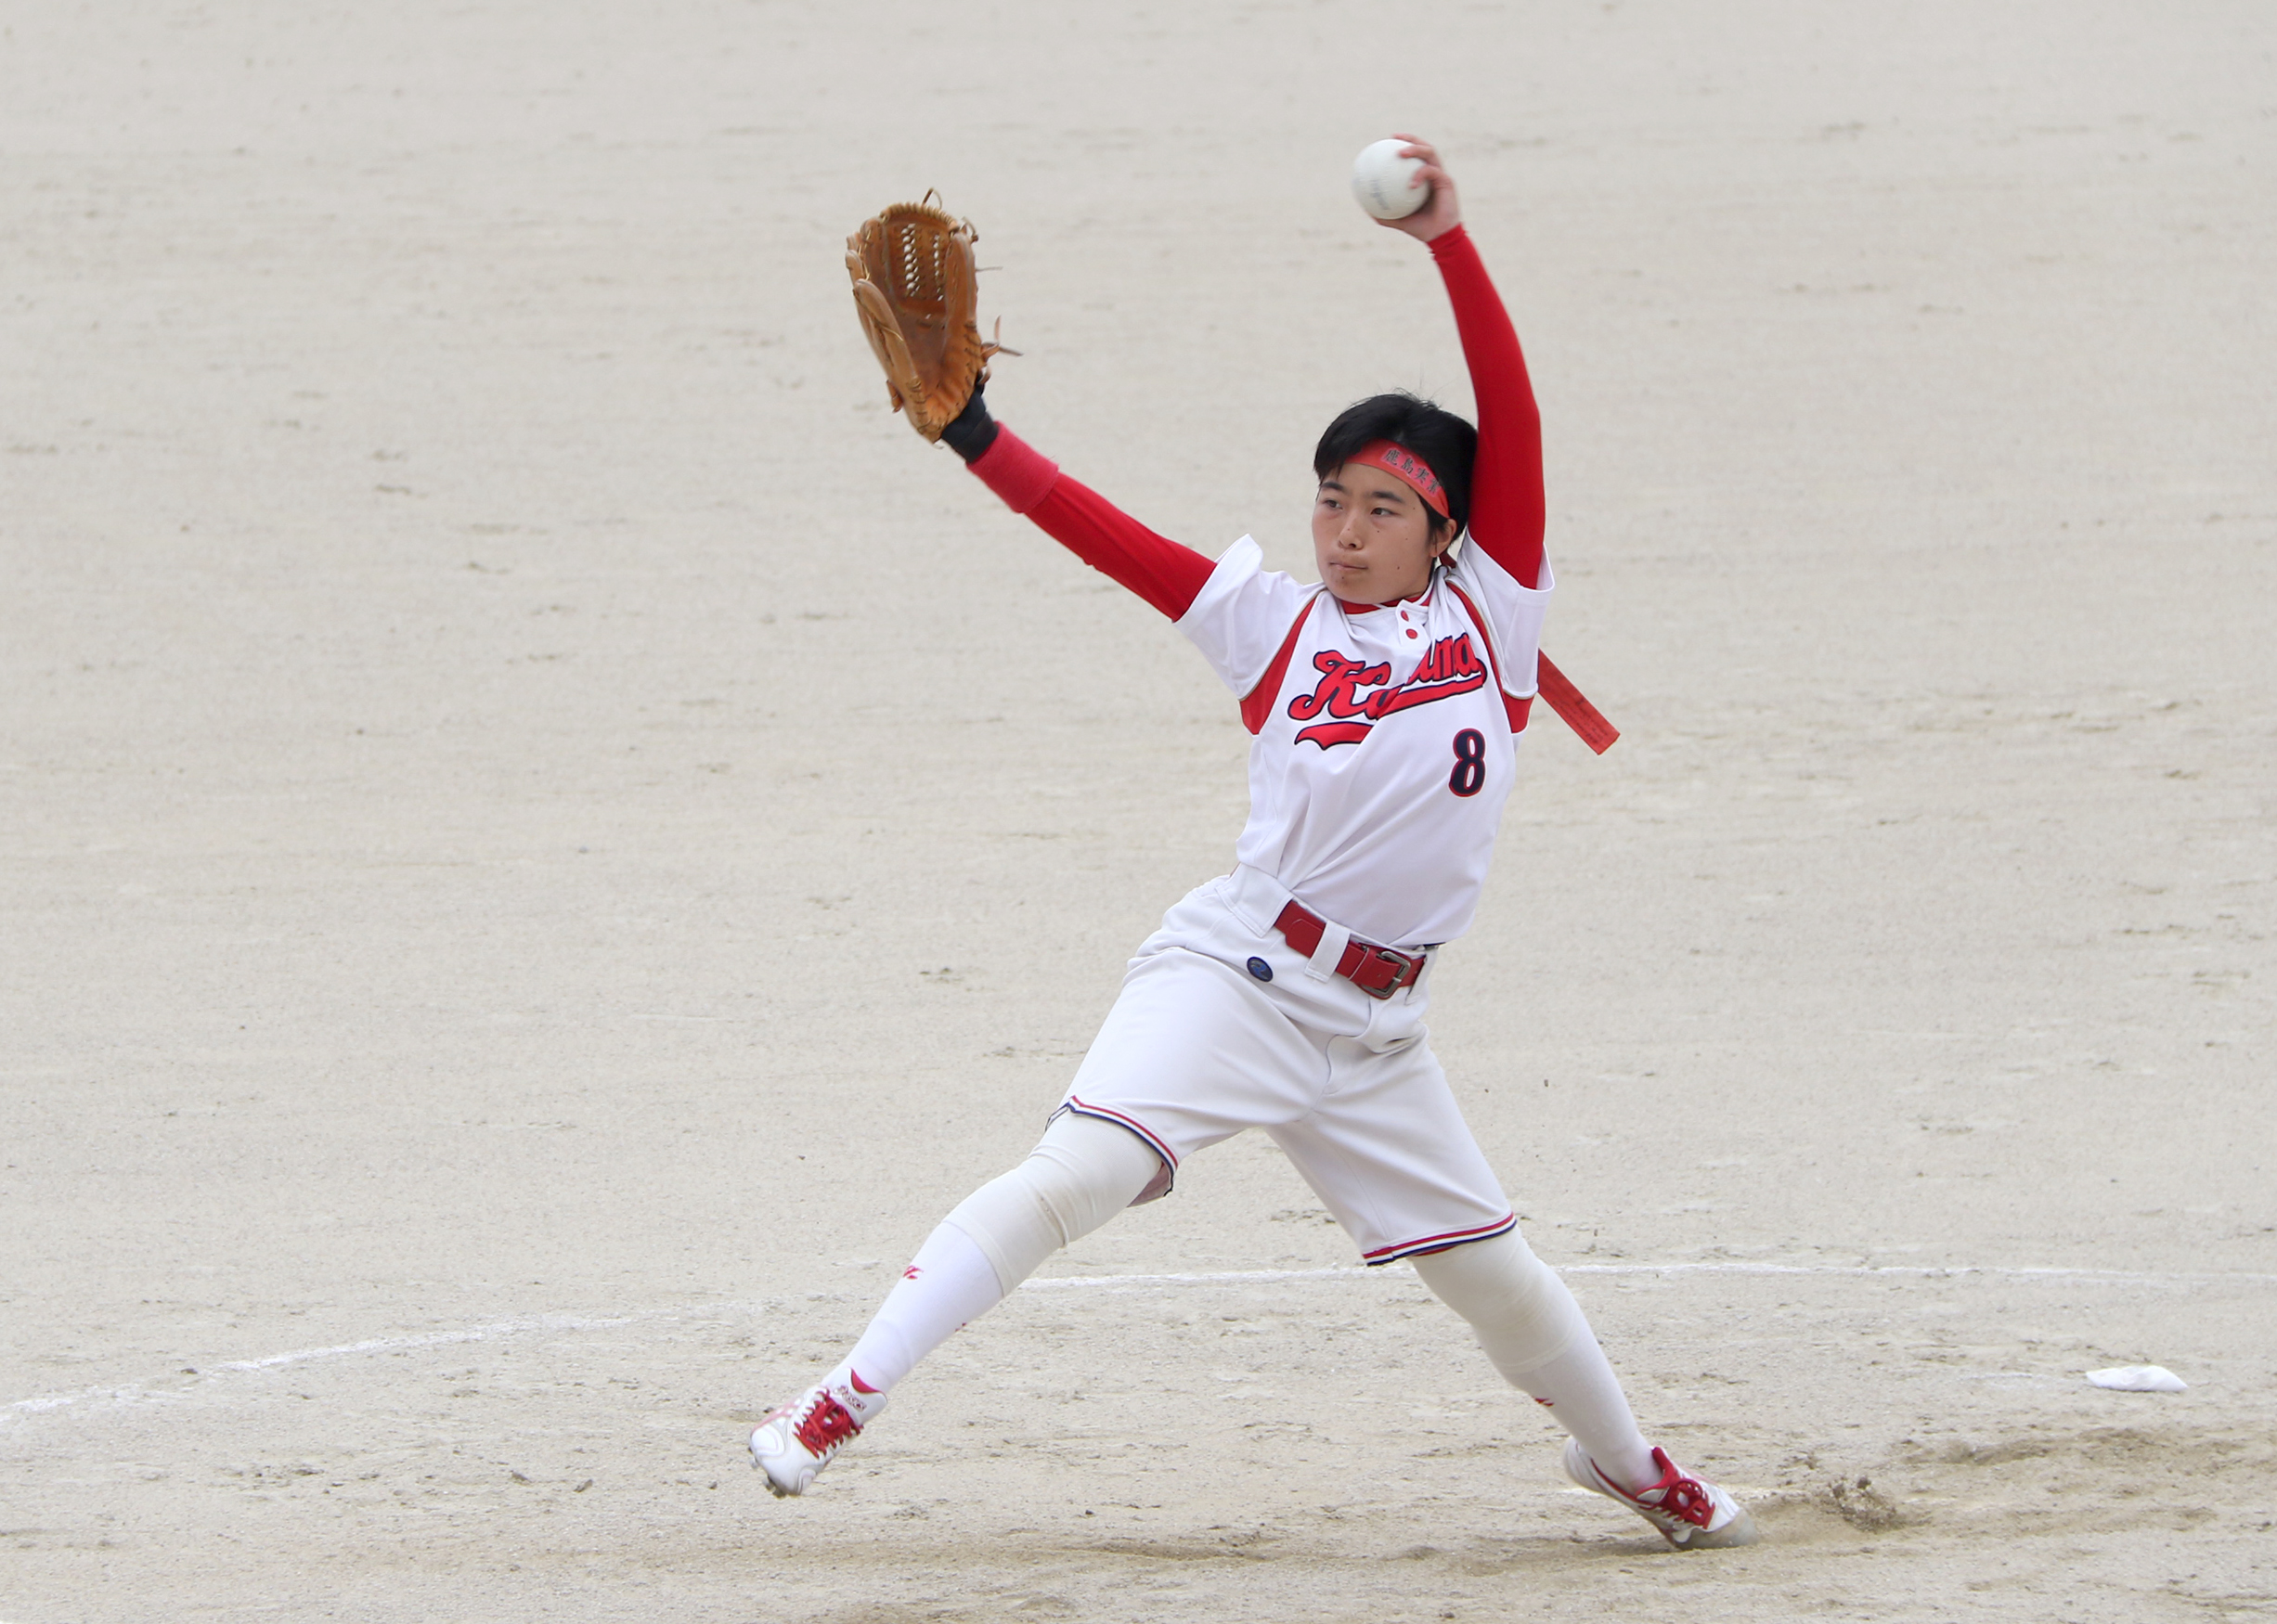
(1517,710)
(1257,705)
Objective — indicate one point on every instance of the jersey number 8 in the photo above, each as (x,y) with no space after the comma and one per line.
(1469,775)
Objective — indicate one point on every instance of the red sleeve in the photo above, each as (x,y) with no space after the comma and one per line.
(1166,574)
(1506,506)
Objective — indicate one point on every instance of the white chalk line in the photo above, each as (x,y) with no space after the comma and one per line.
(136,1393)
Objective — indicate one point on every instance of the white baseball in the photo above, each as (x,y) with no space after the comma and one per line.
(1379,177)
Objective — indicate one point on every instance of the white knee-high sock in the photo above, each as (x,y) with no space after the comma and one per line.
(948,1283)
(1582,1395)
(1532,1328)
(1080,1174)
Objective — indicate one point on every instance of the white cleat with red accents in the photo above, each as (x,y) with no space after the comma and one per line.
(1691,1513)
(799,1440)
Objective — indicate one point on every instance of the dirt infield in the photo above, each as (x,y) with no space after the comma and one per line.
(547,839)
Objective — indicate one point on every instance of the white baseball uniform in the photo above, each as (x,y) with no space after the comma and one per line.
(1384,750)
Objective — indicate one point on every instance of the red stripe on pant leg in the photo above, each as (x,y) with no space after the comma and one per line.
(1103,1114)
(1451,1238)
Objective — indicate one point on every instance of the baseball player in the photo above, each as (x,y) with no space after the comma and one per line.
(1386,702)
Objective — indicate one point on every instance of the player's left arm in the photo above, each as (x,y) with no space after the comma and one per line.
(1508,511)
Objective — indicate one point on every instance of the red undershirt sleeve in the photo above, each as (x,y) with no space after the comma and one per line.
(1165,574)
(1506,506)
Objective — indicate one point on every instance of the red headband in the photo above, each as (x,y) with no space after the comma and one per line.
(1408,469)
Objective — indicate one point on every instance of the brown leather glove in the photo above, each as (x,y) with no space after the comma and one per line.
(915,288)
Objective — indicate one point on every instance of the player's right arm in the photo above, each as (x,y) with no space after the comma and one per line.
(1163,572)
(1506,506)
(1507,512)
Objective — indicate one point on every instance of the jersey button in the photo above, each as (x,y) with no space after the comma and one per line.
(1262,971)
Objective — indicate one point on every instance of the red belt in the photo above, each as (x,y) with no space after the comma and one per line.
(1377,972)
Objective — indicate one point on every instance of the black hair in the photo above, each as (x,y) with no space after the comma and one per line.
(1445,440)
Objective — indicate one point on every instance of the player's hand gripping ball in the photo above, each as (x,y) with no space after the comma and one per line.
(1384,182)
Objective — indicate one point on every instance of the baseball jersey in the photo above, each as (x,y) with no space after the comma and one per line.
(1384,734)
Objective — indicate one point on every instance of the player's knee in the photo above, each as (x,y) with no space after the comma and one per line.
(1082,1173)
(1085,1171)
(1521,1309)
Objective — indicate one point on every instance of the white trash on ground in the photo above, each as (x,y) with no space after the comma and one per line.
(2139,1378)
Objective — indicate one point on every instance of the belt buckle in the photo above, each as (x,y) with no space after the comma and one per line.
(1410,966)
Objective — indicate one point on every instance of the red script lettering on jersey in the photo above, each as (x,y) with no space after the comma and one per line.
(1448,669)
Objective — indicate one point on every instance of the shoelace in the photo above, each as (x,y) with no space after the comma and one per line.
(825,1426)
(1681,1497)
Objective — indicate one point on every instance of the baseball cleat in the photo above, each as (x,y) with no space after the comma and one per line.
(799,1440)
(1691,1513)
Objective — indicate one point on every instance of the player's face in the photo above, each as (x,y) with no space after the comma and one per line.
(1371,536)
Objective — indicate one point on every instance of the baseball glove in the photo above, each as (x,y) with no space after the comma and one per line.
(915,290)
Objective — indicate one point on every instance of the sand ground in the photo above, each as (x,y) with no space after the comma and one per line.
(547,838)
